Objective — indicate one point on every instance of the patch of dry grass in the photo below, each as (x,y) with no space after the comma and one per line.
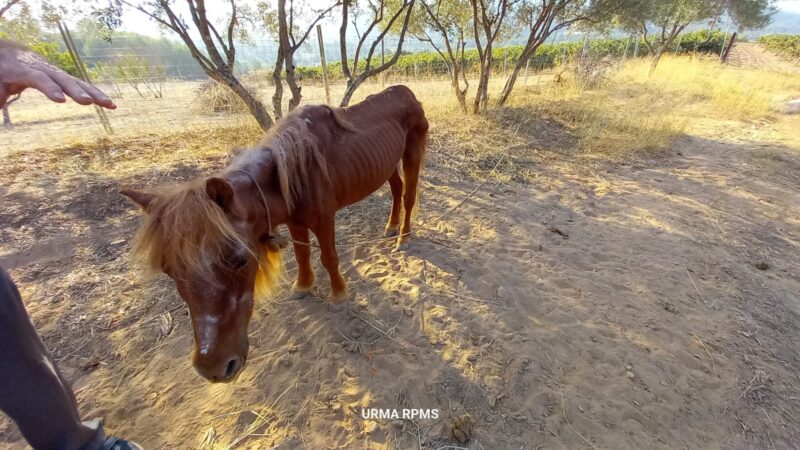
(704,86)
(626,115)
(609,120)
(126,157)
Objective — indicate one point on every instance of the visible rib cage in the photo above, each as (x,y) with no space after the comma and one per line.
(215,236)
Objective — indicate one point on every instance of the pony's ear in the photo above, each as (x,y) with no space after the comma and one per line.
(221,192)
(143,199)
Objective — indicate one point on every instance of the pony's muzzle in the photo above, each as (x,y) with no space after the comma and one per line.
(223,372)
(220,364)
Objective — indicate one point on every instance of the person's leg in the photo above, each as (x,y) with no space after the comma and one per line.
(32,391)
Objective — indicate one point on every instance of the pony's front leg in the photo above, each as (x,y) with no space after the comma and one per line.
(326,235)
(302,254)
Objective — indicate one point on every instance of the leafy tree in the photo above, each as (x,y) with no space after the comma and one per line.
(173,56)
(668,17)
(5,6)
(137,71)
(284,23)
(381,17)
(23,27)
(56,56)
(660,21)
(751,14)
(217,57)
(488,20)
(542,18)
(449,21)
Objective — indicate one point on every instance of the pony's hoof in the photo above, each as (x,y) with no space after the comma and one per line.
(339,299)
(337,307)
(299,294)
(391,232)
(401,247)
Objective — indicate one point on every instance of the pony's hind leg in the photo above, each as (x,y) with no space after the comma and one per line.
(326,235)
(412,162)
(396,183)
(302,253)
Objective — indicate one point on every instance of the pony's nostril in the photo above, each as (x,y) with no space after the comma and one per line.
(232,367)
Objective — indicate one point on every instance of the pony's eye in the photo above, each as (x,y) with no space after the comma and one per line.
(238,262)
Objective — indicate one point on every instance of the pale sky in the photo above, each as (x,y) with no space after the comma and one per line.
(138,22)
(135,21)
(789,5)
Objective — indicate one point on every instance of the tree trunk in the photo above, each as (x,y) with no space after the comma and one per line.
(256,108)
(6,117)
(676,30)
(291,80)
(482,91)
(287,55)
(455,73)
(512,79)
(656,58)
(461,94)
(354,80)
(351,89)
(277,97)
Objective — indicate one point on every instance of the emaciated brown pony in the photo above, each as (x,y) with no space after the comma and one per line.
(216,236)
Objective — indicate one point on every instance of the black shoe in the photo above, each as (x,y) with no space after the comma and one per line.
(115,443)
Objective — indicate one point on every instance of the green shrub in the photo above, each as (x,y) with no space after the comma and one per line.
(784,44)
(55,56)
(547,55)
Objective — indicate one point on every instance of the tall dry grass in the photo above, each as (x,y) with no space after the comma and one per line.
(629,113)
(623,114)
(704,86)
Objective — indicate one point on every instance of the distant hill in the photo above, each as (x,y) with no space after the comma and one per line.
(783,22)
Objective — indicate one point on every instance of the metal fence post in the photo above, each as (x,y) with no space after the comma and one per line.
(625,52)
(724,40)
(324,65)
(84,74)
(728,48)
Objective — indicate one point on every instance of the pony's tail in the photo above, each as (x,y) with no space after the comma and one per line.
(421,147)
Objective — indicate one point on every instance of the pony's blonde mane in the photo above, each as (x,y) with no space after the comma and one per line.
(294,150)
(185,230)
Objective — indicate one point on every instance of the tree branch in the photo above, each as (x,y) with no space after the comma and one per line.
(197,9)
(377,18)
(8,6)
(343,40)
(408,7)
(175,25)
(311,27)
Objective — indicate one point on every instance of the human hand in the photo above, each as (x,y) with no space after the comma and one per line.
(21,68)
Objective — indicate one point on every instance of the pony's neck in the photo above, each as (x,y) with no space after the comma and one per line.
(264,198)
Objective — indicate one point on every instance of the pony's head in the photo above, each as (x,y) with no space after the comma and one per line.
(212,237)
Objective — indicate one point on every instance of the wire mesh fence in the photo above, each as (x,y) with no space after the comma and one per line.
(161,88)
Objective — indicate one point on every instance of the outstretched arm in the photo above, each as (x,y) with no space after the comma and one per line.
(21,68)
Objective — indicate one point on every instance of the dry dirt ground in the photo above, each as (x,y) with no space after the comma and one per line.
(753,55)
(583,304)
(569,302)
